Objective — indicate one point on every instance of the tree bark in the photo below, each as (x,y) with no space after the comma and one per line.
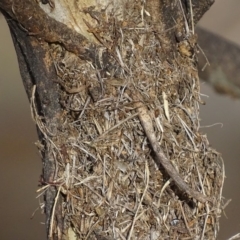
(114,92)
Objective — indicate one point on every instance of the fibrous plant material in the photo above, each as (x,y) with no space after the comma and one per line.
(129,160)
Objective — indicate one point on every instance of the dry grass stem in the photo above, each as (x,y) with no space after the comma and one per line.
(53,213)
(237,236)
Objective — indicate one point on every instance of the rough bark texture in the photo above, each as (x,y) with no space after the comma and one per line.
(36,68)
(114,92)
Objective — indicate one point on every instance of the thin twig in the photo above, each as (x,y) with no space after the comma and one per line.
(191,14)
(185,219)
(161,159)
(235,237)
(185,19)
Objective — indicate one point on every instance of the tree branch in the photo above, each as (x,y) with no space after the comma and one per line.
(161,159)
(199,7)
(224,58)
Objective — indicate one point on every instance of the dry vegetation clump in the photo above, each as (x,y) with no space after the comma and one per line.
(118,123)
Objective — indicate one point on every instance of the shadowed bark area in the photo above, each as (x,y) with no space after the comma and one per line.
(116,108)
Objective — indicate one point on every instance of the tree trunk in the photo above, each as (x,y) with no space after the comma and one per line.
(114,92)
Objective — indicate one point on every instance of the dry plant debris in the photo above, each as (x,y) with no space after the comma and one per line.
(107,170)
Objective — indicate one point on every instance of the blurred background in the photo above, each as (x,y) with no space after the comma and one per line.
(21,165)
